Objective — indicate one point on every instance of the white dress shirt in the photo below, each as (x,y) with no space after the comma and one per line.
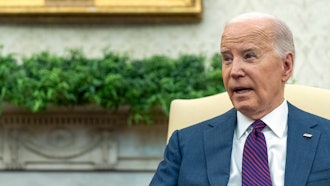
(276,136)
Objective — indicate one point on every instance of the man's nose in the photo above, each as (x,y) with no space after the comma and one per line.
(237,69)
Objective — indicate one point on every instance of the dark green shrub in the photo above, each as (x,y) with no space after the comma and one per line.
(110,81)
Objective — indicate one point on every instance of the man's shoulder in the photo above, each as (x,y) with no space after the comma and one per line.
(303,113)
(193,135)
(309,117)
(227,117)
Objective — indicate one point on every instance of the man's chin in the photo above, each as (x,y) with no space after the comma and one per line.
(245,108)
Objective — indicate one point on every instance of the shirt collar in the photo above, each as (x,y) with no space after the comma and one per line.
(275,120)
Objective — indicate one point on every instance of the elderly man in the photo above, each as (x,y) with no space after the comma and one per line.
(263,140)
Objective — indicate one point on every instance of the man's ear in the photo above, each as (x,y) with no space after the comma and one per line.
(288,62)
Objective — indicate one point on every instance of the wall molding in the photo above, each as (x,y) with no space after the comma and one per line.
(79,139)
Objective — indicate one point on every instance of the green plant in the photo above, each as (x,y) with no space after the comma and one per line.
(110,81)
(8,65)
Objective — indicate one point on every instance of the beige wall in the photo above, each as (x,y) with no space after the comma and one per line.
(308,19)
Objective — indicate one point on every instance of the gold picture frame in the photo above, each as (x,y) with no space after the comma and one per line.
(100,10)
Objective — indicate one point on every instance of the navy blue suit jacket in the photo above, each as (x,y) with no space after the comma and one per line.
(200,154)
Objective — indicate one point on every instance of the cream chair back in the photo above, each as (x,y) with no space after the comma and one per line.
(186,112)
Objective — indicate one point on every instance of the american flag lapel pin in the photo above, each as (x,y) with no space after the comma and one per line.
(307,135)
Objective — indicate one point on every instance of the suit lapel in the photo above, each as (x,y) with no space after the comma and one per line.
(218,140)
(300,150)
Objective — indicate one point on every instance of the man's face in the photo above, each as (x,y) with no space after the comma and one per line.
(253,73)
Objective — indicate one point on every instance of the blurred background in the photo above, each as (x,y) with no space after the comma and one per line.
(143,38)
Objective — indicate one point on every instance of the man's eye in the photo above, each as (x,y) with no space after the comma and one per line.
(248,56)
(226,58)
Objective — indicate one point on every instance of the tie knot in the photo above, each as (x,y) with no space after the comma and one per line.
(258,125)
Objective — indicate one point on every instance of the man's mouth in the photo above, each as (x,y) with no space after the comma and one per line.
(241,90)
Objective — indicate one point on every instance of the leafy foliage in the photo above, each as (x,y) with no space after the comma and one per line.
(110,81)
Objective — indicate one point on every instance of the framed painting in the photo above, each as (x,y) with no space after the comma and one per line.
(100,10)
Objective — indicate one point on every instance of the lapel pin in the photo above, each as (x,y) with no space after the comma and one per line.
(308,135)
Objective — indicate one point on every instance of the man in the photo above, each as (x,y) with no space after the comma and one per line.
(263,140)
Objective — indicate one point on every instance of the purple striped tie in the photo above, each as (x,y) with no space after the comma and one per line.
(255,169)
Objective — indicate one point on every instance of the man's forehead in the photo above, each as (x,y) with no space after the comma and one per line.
(242,34)
(242,31)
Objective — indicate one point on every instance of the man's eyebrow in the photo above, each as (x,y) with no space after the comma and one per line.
(249,49)
(224,50)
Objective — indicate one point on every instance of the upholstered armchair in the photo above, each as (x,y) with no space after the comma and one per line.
(185,112)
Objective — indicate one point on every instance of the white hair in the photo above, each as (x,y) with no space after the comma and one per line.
(283,38)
